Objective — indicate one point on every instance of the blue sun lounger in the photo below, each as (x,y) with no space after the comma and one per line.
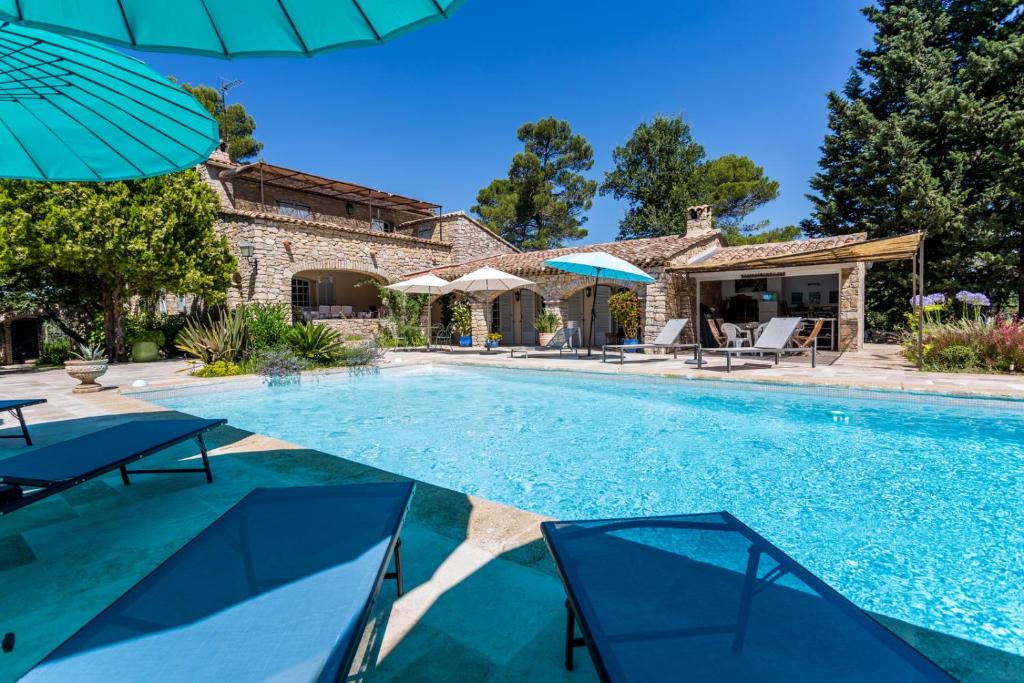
(31,476)
(280,588)
(705,598)
(14,408)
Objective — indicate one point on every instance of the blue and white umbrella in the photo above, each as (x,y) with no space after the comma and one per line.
(598,264)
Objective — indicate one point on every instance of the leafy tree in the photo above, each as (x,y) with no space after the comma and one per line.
(737,186)
(68,300)
(127,239)
(662,170)
(236,124)
(928,134)
(541,203)
(659,174)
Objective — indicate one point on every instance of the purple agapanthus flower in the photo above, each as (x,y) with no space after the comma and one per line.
(929,300)
(973,298)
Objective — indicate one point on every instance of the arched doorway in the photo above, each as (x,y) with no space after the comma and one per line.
(336,294)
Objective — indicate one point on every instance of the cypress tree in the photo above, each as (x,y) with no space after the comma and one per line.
(928,134)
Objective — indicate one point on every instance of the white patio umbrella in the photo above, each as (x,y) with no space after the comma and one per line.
(599,264)
(487,280)
(422,284)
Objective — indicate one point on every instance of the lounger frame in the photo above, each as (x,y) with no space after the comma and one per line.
(14,408)
(623,348)
(729,352)
(43,488)
(751,586)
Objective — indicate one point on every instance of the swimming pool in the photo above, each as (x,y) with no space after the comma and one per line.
(910,506)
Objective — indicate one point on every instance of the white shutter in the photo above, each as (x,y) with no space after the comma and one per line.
(528,308)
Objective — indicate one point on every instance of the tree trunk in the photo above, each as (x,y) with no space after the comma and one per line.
(54,317)
(113,330)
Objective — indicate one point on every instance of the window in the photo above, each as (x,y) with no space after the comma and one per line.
(380,225)
(300,292)
(425,231)
(495,316)
(293,209)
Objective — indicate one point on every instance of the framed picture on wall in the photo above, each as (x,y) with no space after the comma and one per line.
(833,297)
(796,298)
(755,285)
(814,298)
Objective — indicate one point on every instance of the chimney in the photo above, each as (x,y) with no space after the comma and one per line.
(699,221)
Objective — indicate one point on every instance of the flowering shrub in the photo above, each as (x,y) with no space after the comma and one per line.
(994,344)
(625,310)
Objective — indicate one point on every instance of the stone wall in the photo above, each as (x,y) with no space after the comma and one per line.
(469,239)
(851,308)
(353,327)
(283,248)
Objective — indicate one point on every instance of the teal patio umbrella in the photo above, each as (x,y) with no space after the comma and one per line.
(73,110)
(598,264)
(230,28)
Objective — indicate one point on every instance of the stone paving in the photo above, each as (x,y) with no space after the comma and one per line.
(482,602)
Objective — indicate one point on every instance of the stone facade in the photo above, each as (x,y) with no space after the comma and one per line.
(336,236)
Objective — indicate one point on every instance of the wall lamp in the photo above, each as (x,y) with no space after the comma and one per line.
(247,250)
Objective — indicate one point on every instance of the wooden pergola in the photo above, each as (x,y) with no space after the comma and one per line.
(278,176)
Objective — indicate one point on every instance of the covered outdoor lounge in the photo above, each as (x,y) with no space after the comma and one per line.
(335,295)
(739,289)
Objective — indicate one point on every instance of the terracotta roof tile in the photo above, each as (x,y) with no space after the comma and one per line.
(643,253)
(728,256)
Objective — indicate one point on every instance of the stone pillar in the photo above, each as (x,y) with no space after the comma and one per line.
(478,313)
(851,308)
(669,297)
(559,307)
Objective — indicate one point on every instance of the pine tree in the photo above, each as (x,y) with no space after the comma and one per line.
(541,203)
(928,134)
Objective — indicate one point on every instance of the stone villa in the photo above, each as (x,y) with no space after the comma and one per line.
(312,242)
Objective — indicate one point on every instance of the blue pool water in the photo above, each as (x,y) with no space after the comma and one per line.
(913,508)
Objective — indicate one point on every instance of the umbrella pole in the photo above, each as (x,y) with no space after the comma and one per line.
(429,304)
(593,313)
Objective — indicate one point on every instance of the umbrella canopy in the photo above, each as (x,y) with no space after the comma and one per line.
(424,284)
(598,264)
(487,279)
(228,28)
(72,110)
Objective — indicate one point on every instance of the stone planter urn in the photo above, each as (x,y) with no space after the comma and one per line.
(86,372)
(544,337)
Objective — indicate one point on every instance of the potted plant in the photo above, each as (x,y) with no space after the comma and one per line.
(146,345)
(89,362)
(492,340)
(625,310)
(462,321)
(546,323)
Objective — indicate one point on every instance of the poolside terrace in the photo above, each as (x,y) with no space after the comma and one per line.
(482,601)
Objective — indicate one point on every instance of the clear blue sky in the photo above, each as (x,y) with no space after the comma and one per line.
(433,114)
